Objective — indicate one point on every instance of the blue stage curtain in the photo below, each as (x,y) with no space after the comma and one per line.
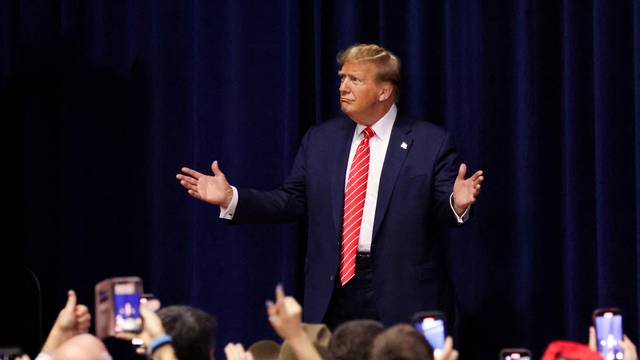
(108,99)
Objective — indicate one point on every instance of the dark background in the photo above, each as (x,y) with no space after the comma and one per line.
(103,101)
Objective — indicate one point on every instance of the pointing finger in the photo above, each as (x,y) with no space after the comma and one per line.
(279,293)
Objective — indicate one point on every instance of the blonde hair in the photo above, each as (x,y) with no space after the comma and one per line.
(387,63)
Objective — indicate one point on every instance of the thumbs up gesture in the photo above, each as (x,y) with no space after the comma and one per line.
(73,319)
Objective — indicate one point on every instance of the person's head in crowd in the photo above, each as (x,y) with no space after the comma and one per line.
(569,350)
(193,331)
(369,82)
(353,339)
(82,347)
(401,342)
(318,334)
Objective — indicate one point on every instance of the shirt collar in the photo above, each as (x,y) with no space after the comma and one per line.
(382,127)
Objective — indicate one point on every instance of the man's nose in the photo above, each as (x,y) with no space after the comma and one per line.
(344,88)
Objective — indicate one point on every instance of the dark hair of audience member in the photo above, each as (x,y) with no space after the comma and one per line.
(401,342)
(353,339)
(193,331)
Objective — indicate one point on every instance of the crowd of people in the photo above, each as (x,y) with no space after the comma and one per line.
(187,333)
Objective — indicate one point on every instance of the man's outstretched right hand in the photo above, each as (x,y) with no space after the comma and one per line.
(212,189)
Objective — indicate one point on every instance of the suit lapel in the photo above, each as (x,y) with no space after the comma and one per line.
(339,161)
(399,146)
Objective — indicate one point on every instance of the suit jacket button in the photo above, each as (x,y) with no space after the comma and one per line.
(331,277)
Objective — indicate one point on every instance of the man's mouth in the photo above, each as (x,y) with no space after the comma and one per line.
(349,101)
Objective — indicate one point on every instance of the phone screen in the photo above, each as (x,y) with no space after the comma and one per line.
(608,335)
(433,330)
(516,356)
(126,299)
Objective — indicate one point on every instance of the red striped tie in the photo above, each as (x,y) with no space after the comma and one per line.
(354,197)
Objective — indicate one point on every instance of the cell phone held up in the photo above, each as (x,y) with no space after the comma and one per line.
(608,325)
(118,306)
(431,324)
(515,354)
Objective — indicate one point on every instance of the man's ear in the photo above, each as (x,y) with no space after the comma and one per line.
(386,90)
(212,354)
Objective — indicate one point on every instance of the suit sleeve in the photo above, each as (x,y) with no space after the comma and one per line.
(283,205)
(445,171)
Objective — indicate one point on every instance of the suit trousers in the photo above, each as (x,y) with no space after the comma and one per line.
(356,299)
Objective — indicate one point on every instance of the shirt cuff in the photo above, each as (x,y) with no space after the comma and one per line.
(227,212)
(460,218)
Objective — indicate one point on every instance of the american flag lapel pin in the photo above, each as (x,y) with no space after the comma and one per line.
(404,145)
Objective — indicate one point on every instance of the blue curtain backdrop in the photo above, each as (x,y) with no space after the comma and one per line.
(104,101)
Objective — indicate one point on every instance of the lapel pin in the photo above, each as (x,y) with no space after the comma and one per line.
(404,145)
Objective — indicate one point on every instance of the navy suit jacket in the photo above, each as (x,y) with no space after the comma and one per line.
(413,200)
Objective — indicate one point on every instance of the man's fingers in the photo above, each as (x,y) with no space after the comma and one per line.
(462,171)
(279,293)
(476,176)
(275,321)
(144,312)
(187,179)
(216,169)
(234,351)
(271,308)
(628,346)
(229,350)
(71,300)
(448,346)
(125,336)
(195,194)
(454,355)
(194,174)
(81,310)
(84,317)
(189,186)
(592,339)
(291,306)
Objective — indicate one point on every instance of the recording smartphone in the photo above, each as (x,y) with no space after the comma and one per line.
(515,354)
(608,325)
(432,325)
(118,306)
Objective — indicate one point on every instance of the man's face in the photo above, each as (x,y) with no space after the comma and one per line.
(359,90)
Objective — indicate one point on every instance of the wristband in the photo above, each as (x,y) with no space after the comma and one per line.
(158,342)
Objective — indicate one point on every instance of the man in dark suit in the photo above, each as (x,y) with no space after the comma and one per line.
(374,191)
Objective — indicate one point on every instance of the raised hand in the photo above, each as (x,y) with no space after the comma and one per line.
(285,315)
(212,189)
(73,319)
(237,352)
(465,192)
(448,352)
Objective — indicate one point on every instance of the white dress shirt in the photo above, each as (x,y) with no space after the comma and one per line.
(377,151)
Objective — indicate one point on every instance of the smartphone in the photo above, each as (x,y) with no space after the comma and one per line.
(431,324)
(515,354)
(608,325)
(118,306)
